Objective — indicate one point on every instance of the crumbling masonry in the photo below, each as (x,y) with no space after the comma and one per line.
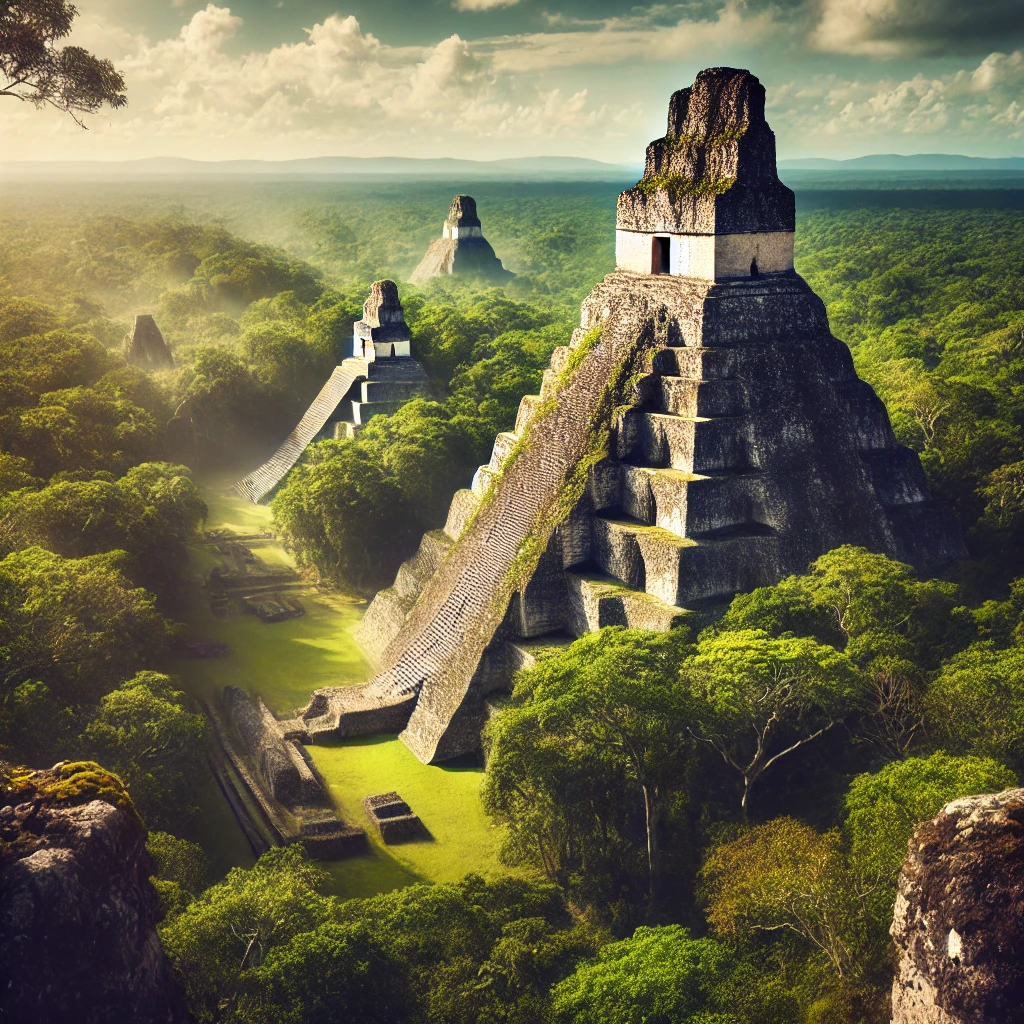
(702,434)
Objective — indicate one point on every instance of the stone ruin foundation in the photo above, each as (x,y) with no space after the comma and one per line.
(394,819)
(703,433)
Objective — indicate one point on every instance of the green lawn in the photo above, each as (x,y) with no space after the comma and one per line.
(283,662)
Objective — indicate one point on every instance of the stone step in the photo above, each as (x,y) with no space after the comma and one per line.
(691,444)
(414,572)
(464,504)
(868,415)
(896,475)
(697,363)
(527,407)
(482,481)
(390,390)
(679,396)
(548,383)
(681,571)
(363,412)
(597,600)
(503,445)
(690,503)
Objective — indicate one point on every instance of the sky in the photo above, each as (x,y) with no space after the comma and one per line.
(486,79)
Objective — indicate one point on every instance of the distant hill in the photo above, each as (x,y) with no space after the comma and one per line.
(542,167)
(917,162)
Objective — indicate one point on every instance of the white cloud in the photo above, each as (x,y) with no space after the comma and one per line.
(967,106)
(481,5)
(637,37)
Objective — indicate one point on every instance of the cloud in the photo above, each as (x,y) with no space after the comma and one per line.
(983,104)
(338,90)
(890,28)
(644,35)
(481,5)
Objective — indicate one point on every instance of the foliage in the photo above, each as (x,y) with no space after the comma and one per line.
(883,809)
(233,925)
(152,512)
(976,704)
(784,877)
(39,72)
(593,741)
(759,698)
(658,976)
(73,624)
(146,733)
(180,867)
(336,974)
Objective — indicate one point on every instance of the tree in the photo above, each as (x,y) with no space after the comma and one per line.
(74,624)
(759,698)
(976,703)
(883,809)
(144,731)
(475,950)
(234,925)
(179,870)
(344,516)
(616,697)
(337,974)
(783,877)
(658,976)
(39,72)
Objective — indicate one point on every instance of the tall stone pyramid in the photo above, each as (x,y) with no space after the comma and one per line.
(702,434)
(144,345)
(377,379)
(462,249)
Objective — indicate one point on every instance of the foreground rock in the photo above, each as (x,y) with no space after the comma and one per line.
(144,346)
(78,916)
(959,918)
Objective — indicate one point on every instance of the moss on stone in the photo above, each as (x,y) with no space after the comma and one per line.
(679,185)
(78,782)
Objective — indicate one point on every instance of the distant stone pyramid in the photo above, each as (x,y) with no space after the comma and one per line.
(702,434)
(144,346)
(462,249)
(379,378)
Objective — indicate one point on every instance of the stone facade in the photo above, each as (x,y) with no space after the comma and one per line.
(462,249)
(697,437)
(959,918)
(378,379)
(144,346)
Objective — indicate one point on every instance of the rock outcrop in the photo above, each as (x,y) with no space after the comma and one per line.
(78,915)
(702,434)
(378,379)
(144,346)
(959,918)
(461,250)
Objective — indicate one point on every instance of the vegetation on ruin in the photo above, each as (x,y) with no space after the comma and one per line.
(678,185)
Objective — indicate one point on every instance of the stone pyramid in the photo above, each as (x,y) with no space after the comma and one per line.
(377,379)
(144,345)
(703,433)
(462,249)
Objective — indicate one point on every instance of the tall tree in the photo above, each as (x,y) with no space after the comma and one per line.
(40,72)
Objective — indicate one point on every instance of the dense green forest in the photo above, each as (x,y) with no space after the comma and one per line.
(708,826)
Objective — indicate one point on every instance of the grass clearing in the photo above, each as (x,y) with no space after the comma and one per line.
(283,663)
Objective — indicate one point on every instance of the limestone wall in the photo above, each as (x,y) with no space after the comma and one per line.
(708,257)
